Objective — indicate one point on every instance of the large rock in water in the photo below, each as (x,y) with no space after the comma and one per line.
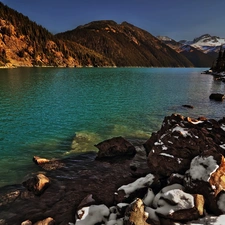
(115,147)
(217,96)
(179,140)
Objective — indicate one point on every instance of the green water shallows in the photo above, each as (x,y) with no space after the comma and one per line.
(42,109)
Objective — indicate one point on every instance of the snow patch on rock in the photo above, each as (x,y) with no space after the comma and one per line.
(202,167)
(138,184)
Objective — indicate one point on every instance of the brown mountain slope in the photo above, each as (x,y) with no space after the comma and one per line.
(125,45)
(24,43)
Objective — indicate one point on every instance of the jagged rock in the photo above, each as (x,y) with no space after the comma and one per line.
(139,165)
(92,215)
(217,96)
(115,147)
(37,184)
(179,140)
(175,178)
(135,214)
(137,189)
(87,201)
(177,205)
(47,221)
(206,176)
(38,160)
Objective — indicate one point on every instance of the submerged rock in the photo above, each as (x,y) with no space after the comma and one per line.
(188,106)
(38,160)
(115,147)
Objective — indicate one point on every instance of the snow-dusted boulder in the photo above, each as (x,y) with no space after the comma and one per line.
(92,215)
(177,205)
(206,176)
(179,140)
(137,189)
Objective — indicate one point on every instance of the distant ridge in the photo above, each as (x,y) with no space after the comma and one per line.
(125,44)
(195,55)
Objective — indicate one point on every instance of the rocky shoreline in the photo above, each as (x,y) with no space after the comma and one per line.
(176,176)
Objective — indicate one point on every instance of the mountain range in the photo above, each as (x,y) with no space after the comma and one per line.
(98,43)
(202,51)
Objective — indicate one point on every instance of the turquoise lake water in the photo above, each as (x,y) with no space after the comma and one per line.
(44,109)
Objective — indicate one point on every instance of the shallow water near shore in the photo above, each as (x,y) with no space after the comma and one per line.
(58,112)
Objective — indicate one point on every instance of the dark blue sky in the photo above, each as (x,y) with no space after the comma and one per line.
(178,19)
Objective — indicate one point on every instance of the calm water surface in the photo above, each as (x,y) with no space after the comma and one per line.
(44,109)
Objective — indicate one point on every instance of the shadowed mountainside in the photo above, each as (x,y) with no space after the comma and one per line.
(125,44)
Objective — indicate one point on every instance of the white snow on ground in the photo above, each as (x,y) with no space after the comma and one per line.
(92,215)
(180,200)
(223,127)
(197,122)
(148,199)
(182,131)
(221,203)
(138,184)
(178,175)
(115,222)
(151,213)
(220,220)
(159,142)
(167,155)
(121,205)
(208,220)
(201,168)
(165,189)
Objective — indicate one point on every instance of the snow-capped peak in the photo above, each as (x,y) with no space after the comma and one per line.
(206,43)
(164,38)
(208,40)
